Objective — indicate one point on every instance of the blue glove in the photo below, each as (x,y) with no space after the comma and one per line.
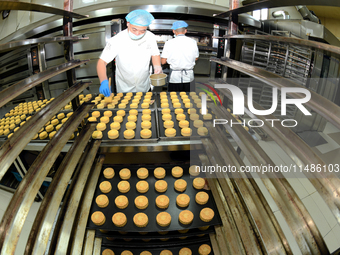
(104,88)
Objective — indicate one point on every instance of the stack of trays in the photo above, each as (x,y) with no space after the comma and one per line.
(176,233)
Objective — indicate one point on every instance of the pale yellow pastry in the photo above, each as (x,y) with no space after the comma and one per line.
(164,105)
(130,125)
(141,202)
(102,201)
(141,220)
(113,134)
(58,127)
(202,131)
(129,134)
(50,135)
(142,186)
(133,112)
(97,134)
(121,201)
(54,122)
(123,186)
(180,185)
(142,173)
(204,249)
(198,183)
(146,117)
(168,124)
(145,253)
(125,174)
(134,105)
(201,198)
(161,186)
(194,116)
(98,218)
(186,217)
(166,252)
(111,106)
(207,116)
(183,124)
(96,114)
(105,119)
(207,214)
(145,105)
(179,111)
(186,131)
(175,100)
(121,106)
(177,105)
(145,133)
(159,173)
(146,111)
(170,132)
(61,116)
(166,111)
(115,125)
(101,126)
(132,118)
(105,187)
(146,124)
(163,219)
(119,219)
(108,252)
(49,128)
(162,201)
(42,135)
(198,123)
(118,119)
(177,171)
(166,116)
(109,173)
(92,119)
(180,116)
(182,200)
(194,170)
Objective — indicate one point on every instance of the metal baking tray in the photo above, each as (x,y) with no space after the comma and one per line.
(155,235)
(194,135)
(152,210)
(155,248)
(153,138)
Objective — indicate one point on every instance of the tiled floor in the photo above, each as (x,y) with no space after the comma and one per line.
(319,211)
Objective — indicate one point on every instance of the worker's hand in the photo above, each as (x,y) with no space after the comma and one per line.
(104,88)
(157,69)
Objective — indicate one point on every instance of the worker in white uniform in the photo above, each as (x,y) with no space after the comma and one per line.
(132,48)
(181,53)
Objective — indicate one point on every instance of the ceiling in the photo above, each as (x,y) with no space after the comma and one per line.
(325,11)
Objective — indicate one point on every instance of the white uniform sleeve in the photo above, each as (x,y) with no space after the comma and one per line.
(197,51)
(154,47)
(165,52)
(111,50)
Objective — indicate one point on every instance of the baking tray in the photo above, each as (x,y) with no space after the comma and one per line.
(174,247)
(194,135)
(152,210)
(152,102)
(137,130)
(155,235)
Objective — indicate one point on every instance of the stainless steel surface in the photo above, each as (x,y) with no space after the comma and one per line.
(89,242)
(77,237)
(246,19)
(42,226)
(98,245)
(327,184)
(268,229)
(20,87)
(62,236)
(17,211)
(296,215)
(29,42)
(318,103)
(276,3)
(14,145)
(158,79)
(22,6)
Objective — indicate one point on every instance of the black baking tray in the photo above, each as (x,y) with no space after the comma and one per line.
(178,136)
(152,100)
(153,138)
(156,248)
(155,235)
(152,210)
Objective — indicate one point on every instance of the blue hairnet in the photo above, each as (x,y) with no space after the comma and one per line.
(179,24)
(139,18)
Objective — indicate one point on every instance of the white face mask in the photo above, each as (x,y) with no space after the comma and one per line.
(135,37)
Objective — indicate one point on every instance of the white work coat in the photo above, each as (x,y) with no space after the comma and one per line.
(132,60)
(181,53)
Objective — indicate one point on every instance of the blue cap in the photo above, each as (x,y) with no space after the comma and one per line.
(139,18)
(179,24)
